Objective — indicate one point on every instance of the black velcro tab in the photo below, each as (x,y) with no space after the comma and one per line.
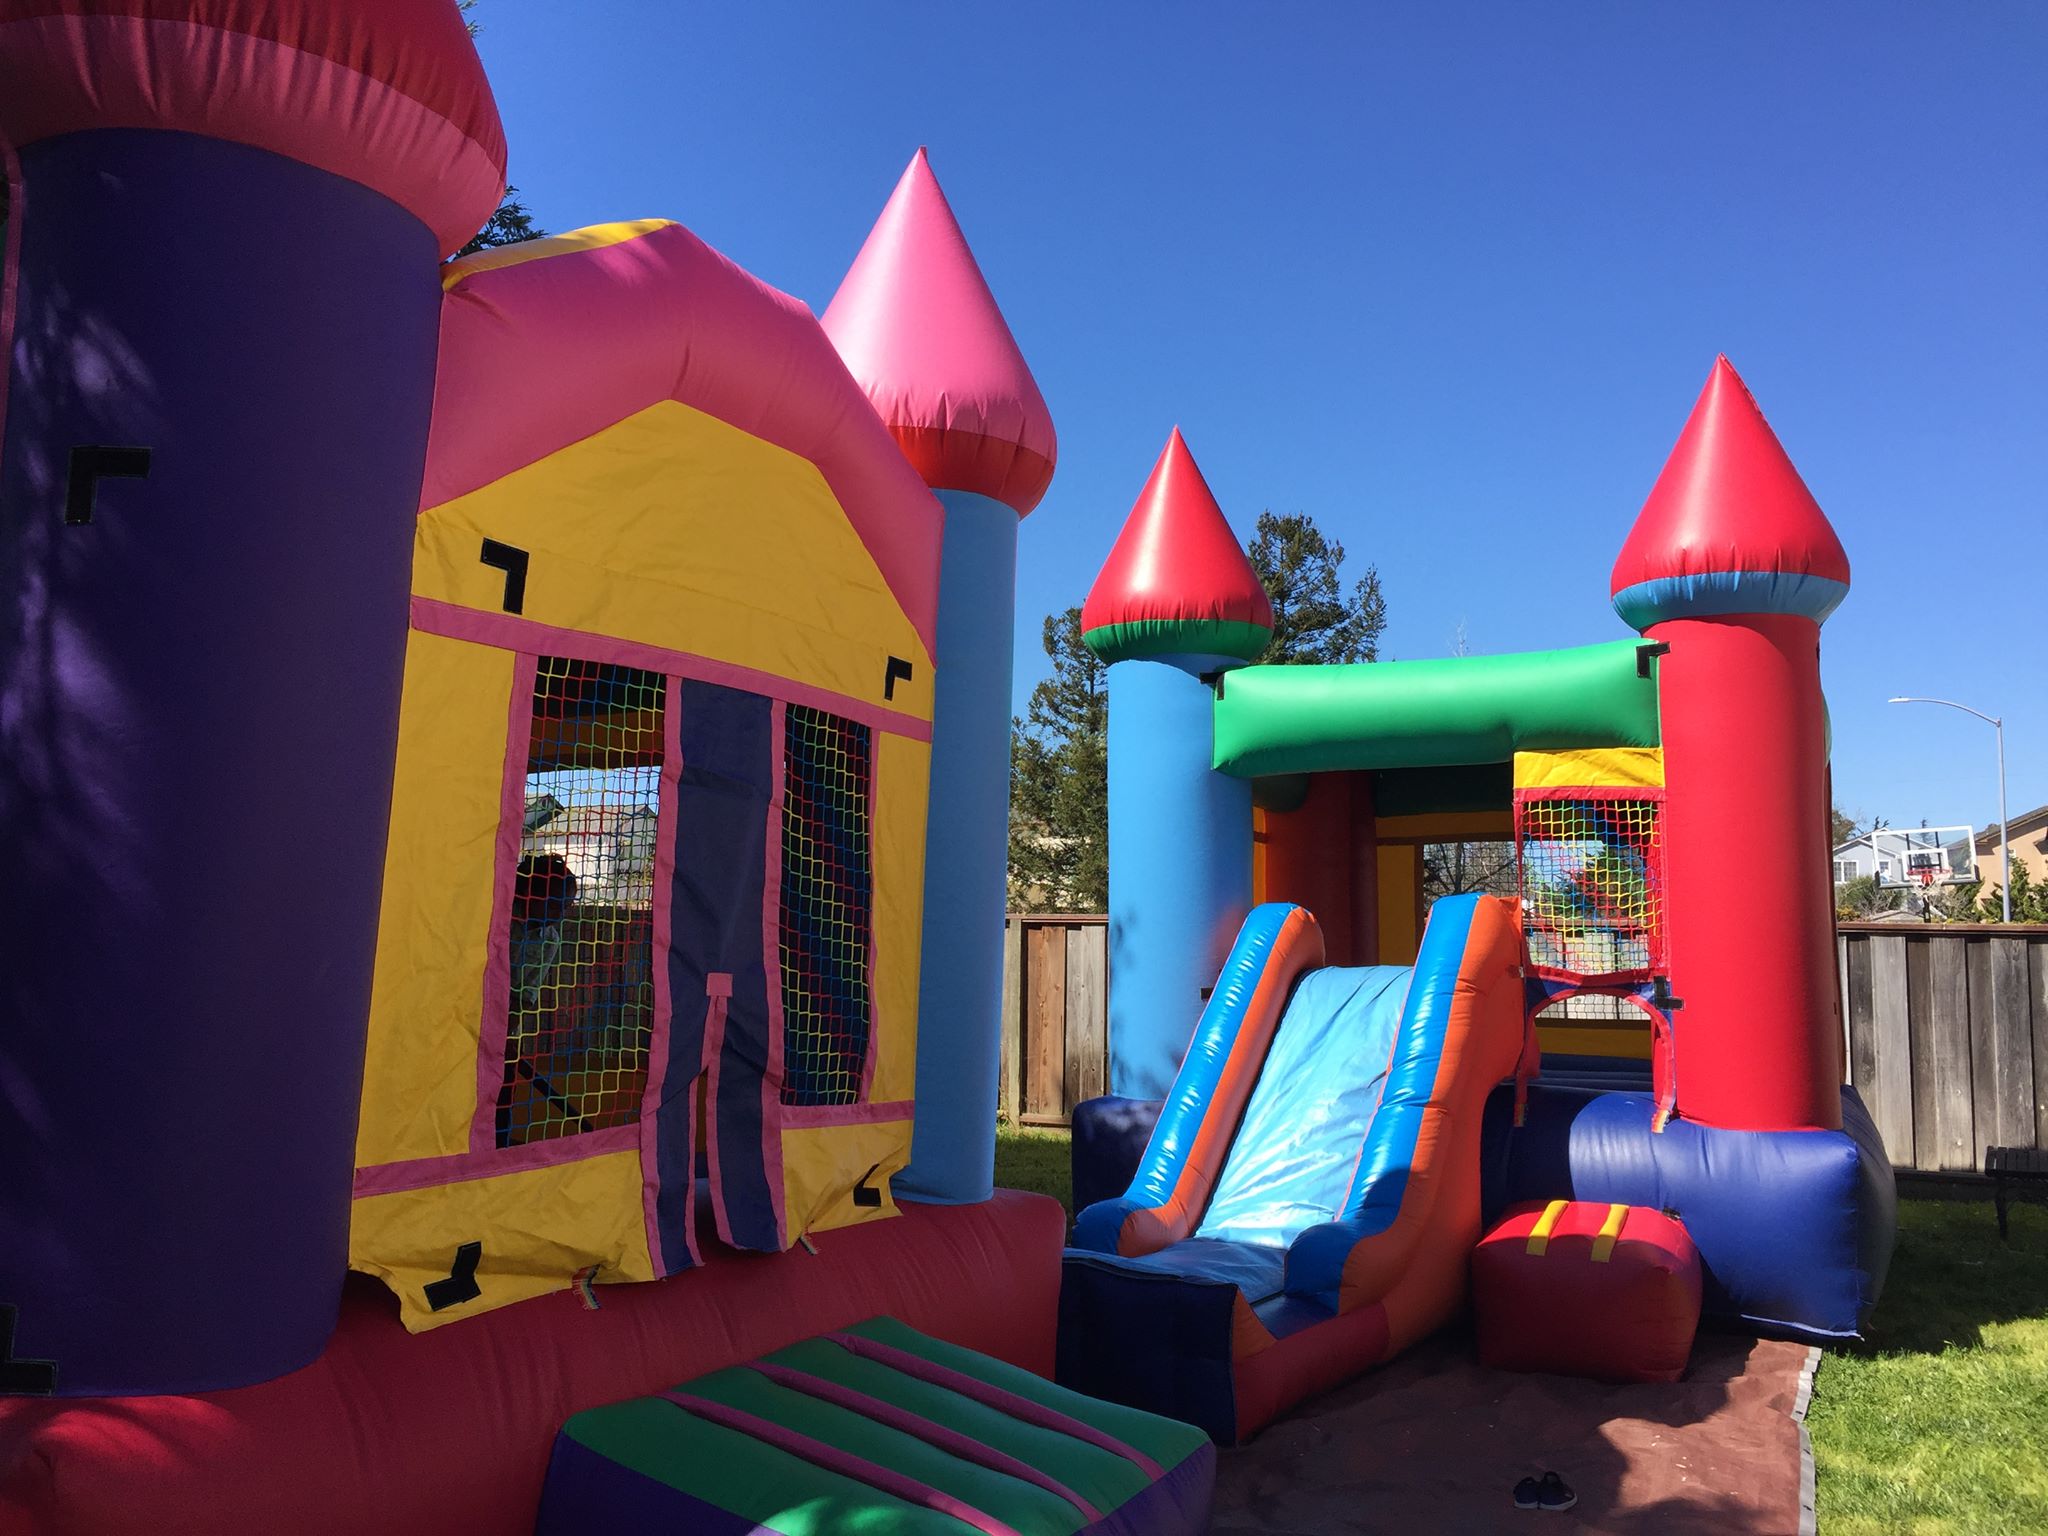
(23,1378)
(512,560)
(898,671)
(90,465)
(864,1193)
(1646,651)
(460,1286)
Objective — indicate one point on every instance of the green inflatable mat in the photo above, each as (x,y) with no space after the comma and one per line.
(876,1429)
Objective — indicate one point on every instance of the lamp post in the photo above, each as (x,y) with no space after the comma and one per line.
(2004,840)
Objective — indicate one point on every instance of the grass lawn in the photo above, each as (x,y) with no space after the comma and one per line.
(1027,1158)
(1937,1424)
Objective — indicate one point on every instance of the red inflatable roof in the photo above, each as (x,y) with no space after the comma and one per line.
(1729,505)
(388,93)
(921,332)
(1177,582)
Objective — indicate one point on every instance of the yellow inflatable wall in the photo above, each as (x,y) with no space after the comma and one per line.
(651,902)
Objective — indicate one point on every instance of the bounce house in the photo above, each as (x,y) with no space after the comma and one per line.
(504,759)
(1641,1023)
(509,757)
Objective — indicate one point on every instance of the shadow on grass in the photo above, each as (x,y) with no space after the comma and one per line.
(1951,1277)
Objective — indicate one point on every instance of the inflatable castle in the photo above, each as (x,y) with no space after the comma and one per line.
(1296,1196)
(504,765)
(505,762)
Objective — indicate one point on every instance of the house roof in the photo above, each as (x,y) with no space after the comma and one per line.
(2035,820)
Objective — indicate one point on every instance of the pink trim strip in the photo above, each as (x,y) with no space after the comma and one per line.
(951,1441)
(461,1167)
(831,1458)
(1528,795)
(497,1003)
(771,957)
(805,1117)
(714,1054)
(874,1043)
(664,1002)
(991,1396)
(508,632)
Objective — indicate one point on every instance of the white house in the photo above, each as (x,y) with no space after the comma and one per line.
(1921,855)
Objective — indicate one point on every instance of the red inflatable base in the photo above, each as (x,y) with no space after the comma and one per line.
(449,1432)
(1606,1291)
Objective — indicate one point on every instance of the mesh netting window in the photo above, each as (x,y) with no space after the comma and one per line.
(1592,877)
(581,927)
(827,907)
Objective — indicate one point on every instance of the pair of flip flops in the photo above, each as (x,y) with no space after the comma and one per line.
(1549,1492)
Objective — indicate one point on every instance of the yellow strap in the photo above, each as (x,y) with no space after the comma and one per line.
(1539,1235)
(1610,1233)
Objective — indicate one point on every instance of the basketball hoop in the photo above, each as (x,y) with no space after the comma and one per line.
(1925,874)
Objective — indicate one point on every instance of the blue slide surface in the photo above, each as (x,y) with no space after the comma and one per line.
(1295,1152)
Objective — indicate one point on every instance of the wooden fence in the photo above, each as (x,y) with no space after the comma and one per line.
(1948,1037)
(1055,1015)
(1946,1030)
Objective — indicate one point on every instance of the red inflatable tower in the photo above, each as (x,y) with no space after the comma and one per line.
(1734,567)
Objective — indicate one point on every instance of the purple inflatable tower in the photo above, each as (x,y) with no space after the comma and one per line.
(221,307)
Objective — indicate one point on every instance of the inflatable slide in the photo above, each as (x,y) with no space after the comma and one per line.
(1310,1194)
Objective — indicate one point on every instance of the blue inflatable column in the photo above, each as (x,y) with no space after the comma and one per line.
(1180,869)
(966,858)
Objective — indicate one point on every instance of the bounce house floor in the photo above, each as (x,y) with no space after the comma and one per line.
(1436,1442)
(450,1430)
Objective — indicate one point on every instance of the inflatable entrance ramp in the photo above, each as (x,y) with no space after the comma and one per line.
(877,1428)
(1310,1195)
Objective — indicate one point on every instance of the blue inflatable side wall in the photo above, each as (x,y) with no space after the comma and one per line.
(1180,859)
(966,859)
(1194,1082)
(1794,1228)
(1110,1136)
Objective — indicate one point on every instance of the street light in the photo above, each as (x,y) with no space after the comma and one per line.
(2004,840)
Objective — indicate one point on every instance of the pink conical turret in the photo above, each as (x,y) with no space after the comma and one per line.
(919,329)
(920,332)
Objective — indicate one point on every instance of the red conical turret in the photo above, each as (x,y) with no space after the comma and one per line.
(919,329)
(1176,585)
(1731,568)
(1729,527)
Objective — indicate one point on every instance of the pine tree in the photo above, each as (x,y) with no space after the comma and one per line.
(1059,781)
(1313,621)
(2029,901)
(509,225)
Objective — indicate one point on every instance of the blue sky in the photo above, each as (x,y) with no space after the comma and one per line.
(1447,278)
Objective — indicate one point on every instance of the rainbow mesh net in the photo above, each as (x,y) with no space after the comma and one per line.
(1593,883)
(581,928)
(826,914)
